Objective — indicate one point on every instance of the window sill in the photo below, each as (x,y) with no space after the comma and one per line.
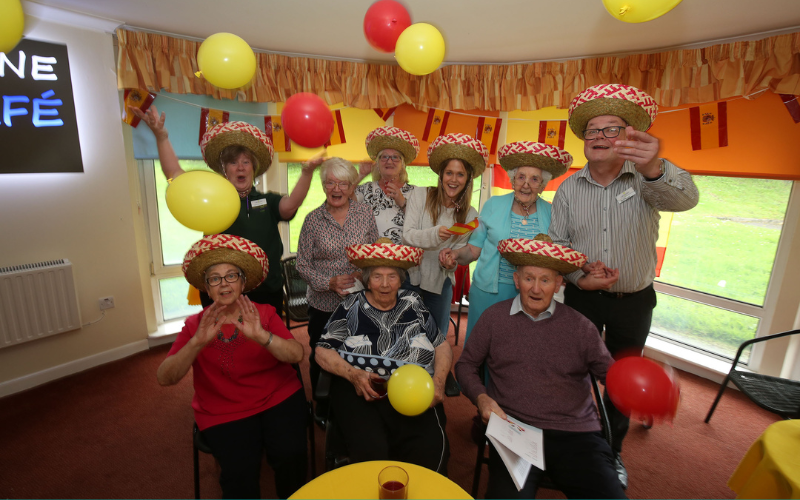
(688,360)
(166,333)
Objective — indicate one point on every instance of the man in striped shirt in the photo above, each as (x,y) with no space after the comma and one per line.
(609,211)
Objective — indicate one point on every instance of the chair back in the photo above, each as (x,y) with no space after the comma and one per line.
(294,293)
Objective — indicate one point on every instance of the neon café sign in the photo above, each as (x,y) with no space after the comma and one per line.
(38,127)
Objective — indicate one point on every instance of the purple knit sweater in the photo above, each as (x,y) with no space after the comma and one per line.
(539,371)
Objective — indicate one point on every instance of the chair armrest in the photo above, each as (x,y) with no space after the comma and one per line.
(323,390)
(759,339)
(451,387)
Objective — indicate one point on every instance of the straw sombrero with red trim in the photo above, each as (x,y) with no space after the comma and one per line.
(636,107)
(541,252)
(225,249)
(534,154)
(236,134)
(384,253)
(392,138)
(460,146)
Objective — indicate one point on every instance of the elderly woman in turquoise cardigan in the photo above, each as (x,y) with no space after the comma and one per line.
(520,214)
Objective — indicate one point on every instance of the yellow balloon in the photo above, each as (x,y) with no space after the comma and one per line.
(226,61)
(203,201)
(420,49)
(639,11)
(410,390)
(12,23)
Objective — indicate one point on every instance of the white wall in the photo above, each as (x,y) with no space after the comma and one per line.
(89,218)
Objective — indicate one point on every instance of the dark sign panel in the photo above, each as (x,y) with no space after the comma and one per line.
(38,129)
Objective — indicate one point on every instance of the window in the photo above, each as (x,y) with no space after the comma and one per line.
(718,264)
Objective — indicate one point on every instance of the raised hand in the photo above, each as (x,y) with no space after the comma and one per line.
(251,320)
(153,121)
(210,324)
(642,149)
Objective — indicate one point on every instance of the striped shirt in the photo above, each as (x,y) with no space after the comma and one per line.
(618,223)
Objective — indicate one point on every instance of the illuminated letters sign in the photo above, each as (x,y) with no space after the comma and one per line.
(38,129)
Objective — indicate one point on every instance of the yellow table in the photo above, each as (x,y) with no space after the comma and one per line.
(771,467)
(361,481)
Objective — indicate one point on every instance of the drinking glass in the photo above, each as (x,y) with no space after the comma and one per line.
(393,483)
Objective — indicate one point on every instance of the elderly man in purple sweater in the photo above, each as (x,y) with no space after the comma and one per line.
(539,354)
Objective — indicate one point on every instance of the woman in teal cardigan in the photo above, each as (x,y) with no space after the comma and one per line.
(520,214)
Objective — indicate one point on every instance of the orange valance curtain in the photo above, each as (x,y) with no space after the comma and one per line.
(673,78)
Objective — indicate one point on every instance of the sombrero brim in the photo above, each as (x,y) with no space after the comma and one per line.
(382,142)
(364,263)
(459,151)
(633,114)
(237,138)
(254,273)
(527,259)
(517,160)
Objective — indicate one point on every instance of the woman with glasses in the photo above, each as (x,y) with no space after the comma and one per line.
(322,248)
(457,159)
(519,214)
(248,398)
(392,149)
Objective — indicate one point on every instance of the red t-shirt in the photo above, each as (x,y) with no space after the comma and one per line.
(234,377)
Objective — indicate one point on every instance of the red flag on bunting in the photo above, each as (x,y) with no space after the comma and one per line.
(664,226)
(792,106)
(337,137)
(274,130)
(139,99)
(709,125)
(436,124)
(384,113)
(488,132)
(553,132)
(209,118)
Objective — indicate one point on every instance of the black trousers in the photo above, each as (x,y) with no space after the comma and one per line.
(373,430)
(239,445)
(316,326)
(626,321)
(581,464)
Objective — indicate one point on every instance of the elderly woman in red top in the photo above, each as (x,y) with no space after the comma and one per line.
(247,394)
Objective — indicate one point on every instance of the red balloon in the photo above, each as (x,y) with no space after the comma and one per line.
(307,120)
(643,389)
(384,22)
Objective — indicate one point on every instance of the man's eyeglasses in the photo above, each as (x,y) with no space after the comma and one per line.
(344,185)
(608,132)
(386,158)
(230,278)
(533,181)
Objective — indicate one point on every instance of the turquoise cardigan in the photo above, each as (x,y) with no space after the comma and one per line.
(495,225)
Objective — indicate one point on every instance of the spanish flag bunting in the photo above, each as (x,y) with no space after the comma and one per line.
(384,113)
(337,137)
(193,297)
(792,106)
(436,124)
(462,229)
(210,118)
(488,132)
(501,184)
(664,227)
(274,130)
(709,125)
(139,99)
(553,132)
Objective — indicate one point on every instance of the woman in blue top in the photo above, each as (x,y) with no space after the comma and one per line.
(520,214)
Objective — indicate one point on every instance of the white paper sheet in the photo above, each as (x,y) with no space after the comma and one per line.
(519,445)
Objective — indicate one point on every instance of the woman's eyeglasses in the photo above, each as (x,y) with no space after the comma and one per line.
(344,185)
(533,181)
(386,158)
(230,278)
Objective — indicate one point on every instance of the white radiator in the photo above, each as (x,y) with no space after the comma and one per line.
(37,300)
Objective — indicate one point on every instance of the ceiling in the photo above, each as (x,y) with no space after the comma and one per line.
(491,31)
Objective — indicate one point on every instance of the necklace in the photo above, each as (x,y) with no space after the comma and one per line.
(221,336)
(524,209)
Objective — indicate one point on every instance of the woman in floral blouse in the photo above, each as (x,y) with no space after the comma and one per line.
(321,249)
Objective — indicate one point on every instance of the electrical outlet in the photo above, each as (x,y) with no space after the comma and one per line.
(106,303)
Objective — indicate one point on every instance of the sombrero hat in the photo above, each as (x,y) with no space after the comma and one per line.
(392,138)
(541,252)
(534,154)
(236,134)
(228,249)
(460,146)
(384,253)
(636,107)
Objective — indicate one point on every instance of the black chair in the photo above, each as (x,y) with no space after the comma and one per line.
(545,483)
(199,444)
(776,394)
(295,304)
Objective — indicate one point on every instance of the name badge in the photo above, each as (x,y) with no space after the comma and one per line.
(628,193)
(258,203)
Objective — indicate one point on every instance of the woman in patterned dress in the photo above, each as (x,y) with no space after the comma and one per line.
(520,214)
(392,149)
